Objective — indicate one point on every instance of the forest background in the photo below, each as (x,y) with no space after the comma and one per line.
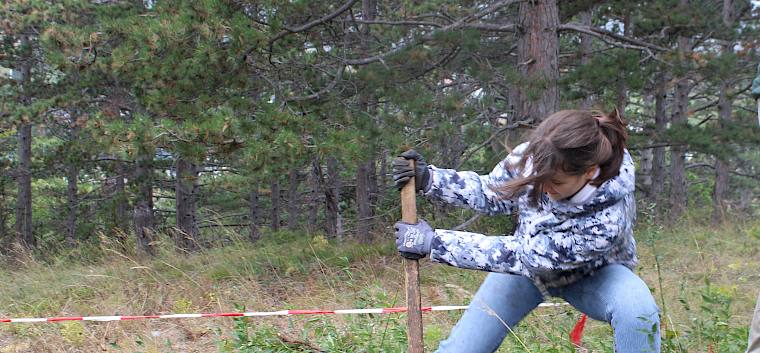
(171,156)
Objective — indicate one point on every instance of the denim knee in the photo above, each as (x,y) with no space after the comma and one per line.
(637,301)
(635,313)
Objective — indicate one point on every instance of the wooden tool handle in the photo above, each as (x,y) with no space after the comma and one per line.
(412,271)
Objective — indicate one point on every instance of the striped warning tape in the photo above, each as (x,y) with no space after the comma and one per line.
(246,314)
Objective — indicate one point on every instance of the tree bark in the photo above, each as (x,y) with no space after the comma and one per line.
(724,113)
(143,217)
(363,203)
(72,201)
(24,235)
(678,189)
(333,221)
(120,199)
(365,178)
(585,52)
(253,204)
(293,206)
(719,191)
(658,153)
(186,197)
(314,184)
(3,214)
(538,59)
(23,226)
(373,187)
(382,179)
(275,197)
(622,89)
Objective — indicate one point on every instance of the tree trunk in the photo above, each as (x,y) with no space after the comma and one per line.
(3,214)
(644,174)
(275,197)
(724,113)
(143,218)
(538,56)
(293,206)
(72,174)
(314,183)
(333,221)
(586,54)
(658,153)
(24,235)
(186,197)
(372,184)
(24,232)
(451,149)
(745,202)
(120,199)
(678,189)
(253,201)
(622,89)
(719,191)
(382,179)
(365,178)
(364,210)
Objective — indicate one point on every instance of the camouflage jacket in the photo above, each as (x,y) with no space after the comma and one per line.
(555,244)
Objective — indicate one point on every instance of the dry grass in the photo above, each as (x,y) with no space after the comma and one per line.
(287,273)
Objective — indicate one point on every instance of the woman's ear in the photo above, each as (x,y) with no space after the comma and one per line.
(592,172)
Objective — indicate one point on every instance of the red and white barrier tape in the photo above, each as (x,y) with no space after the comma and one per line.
(246,314)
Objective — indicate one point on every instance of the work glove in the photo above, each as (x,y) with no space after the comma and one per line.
(414,240)
(402,172)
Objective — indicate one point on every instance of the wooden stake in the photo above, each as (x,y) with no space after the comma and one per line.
(412,271)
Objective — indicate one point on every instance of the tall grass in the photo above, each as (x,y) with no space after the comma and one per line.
(703,278)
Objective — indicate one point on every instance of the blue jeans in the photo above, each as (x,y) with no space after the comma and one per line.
(613,294)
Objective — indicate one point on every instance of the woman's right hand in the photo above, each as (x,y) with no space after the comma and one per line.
(402,172)
(414,241)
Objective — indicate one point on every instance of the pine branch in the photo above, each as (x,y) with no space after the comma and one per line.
(707,165)
(443,61)
(489,27)
(655,145)
(605,35)
(394,23)
(323,91)
(223,225)
(461,23)
(307,26)
(314,23)
(487,141)
(492,27)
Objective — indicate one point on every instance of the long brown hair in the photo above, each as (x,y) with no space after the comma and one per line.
(571,141)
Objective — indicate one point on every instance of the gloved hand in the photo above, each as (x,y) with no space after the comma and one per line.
(414,240)
(402,172)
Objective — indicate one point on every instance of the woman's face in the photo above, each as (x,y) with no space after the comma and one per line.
(563,186)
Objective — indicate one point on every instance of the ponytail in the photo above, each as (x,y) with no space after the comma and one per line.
(613,127)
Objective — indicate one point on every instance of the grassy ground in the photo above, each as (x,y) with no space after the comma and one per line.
(707,278)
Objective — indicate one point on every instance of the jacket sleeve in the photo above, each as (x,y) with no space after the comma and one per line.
(476,251)
(470,190)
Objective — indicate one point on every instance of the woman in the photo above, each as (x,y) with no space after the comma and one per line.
(573,186)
